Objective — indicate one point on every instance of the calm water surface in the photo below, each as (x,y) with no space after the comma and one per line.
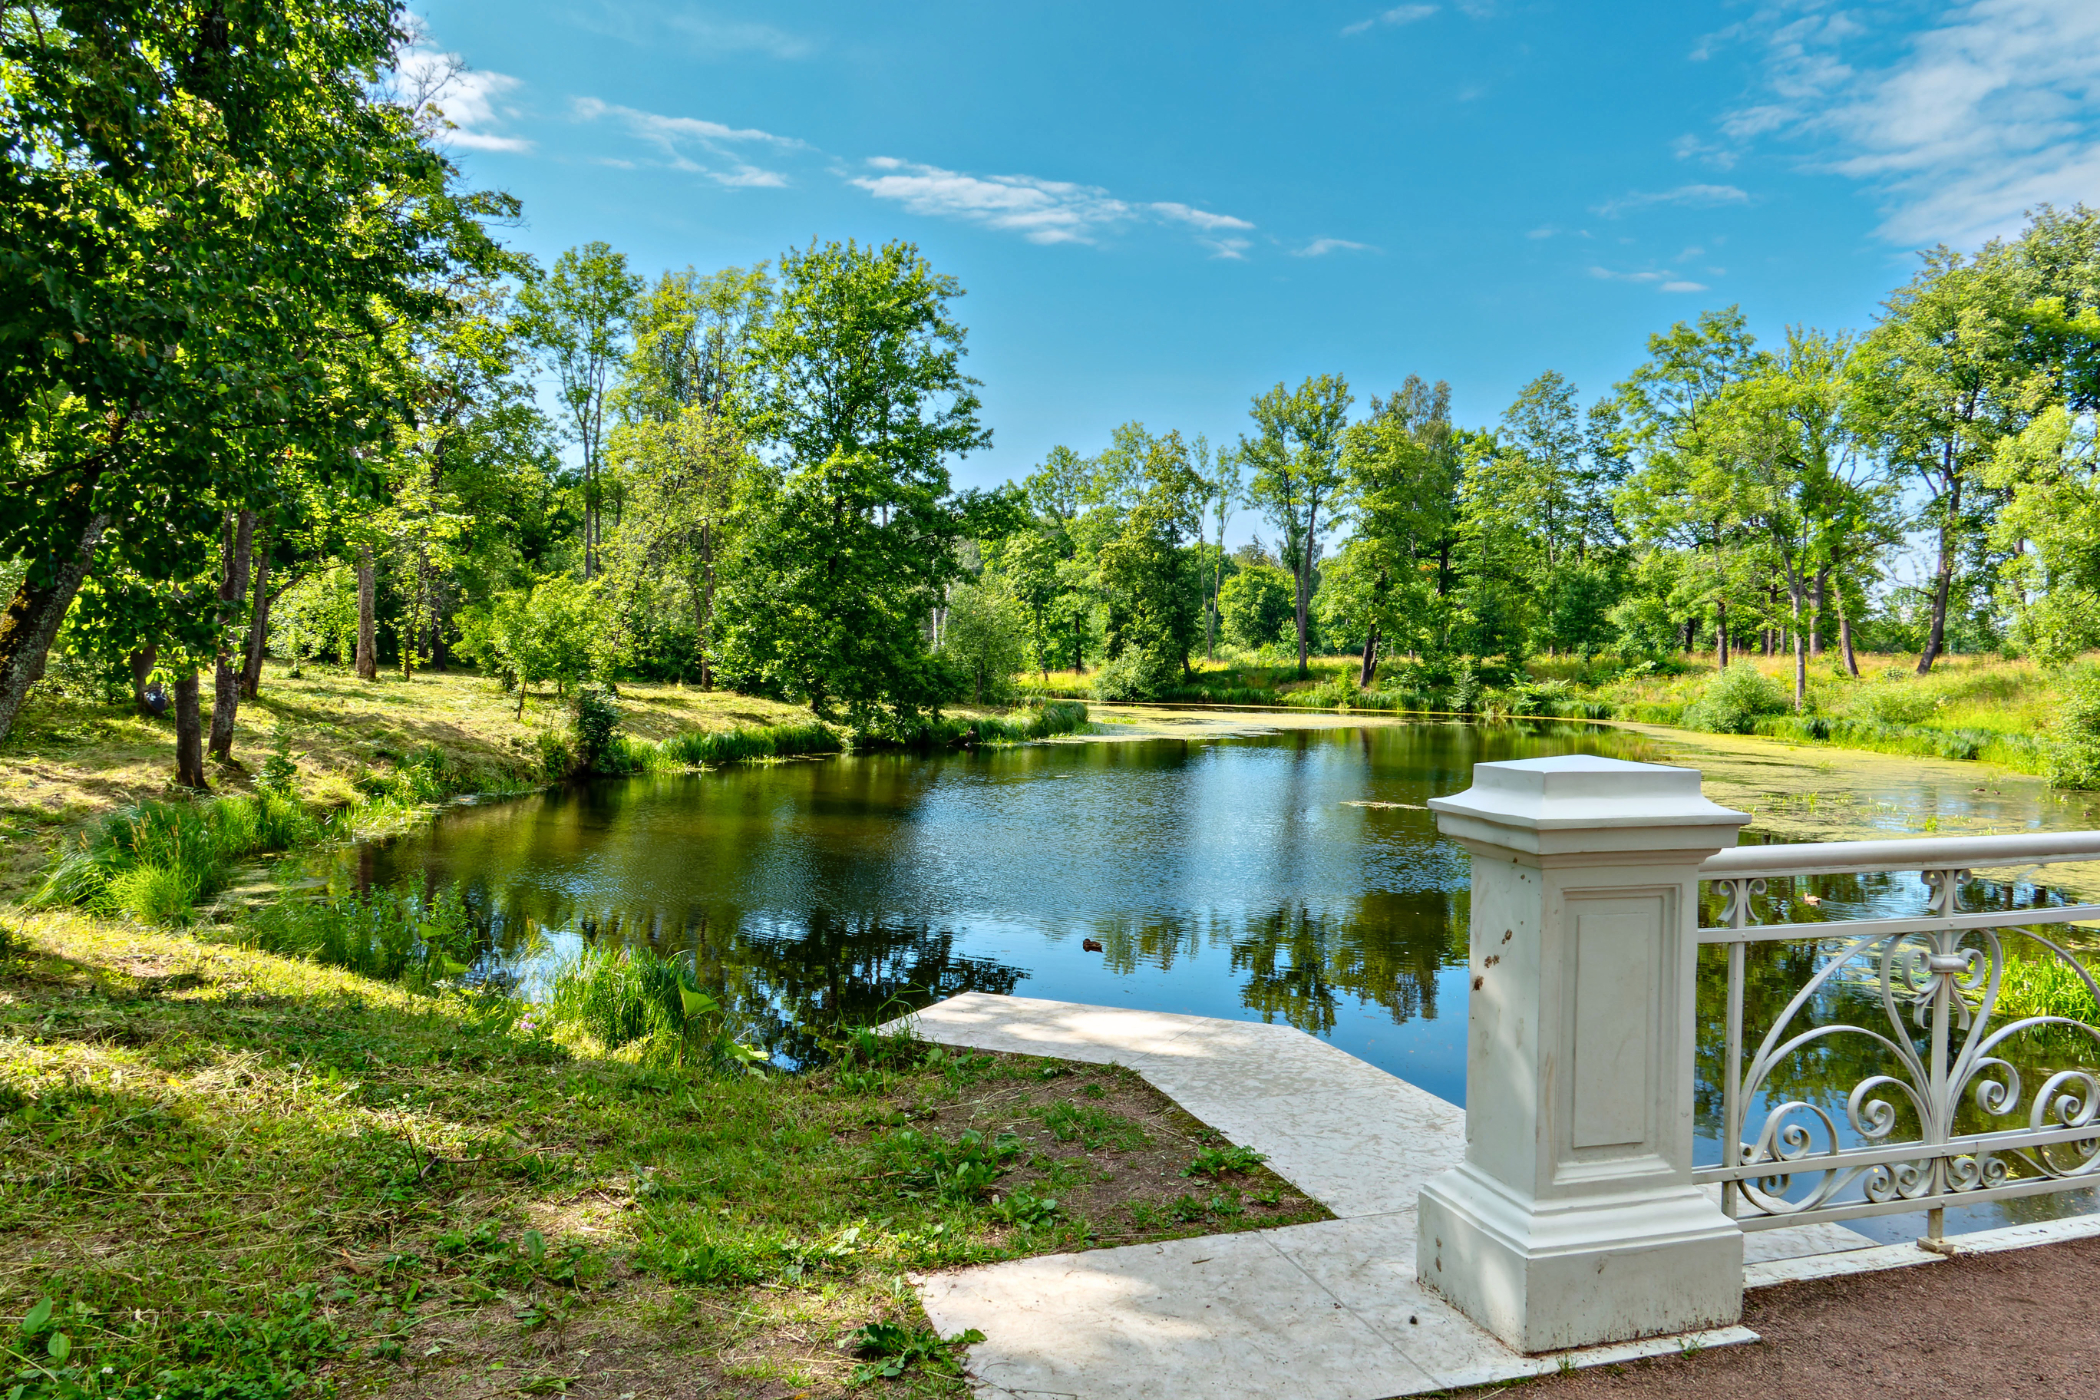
(1294,877)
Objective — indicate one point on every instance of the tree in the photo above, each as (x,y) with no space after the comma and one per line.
(1662,413)
(2050,527)
(552,631)
(578,315)
(1223,479)
(1147,572)
(1295,453)
(212,219)
(1939,382)
(986,635)
(859,391)
(1257,604)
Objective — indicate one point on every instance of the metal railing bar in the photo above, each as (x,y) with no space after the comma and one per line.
(1918,853)
(1913,1151)
(2035,1186)
(1881,928)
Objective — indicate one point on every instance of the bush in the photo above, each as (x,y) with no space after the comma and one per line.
(1135,673)
(1735,700)
(1892,703)
(1256,605)
(2074,739)
(595,721)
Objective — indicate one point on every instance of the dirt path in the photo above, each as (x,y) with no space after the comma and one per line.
(1979,1327)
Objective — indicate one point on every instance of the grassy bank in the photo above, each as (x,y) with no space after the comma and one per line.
(375,755)
(231,1173)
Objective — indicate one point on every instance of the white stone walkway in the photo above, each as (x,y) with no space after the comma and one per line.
(1327,1311)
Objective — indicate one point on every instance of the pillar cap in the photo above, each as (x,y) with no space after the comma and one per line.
(1544,804)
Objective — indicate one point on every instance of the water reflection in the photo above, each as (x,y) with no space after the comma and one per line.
(1290,877)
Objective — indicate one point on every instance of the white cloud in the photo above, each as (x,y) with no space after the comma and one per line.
(1690,147)
(1992,109)
(702,37)
(1042,211)
(1661,281)
(1690,196)
(1321,247)
(465,100)
(713,38)
(680,138)
(1201,218)
(1399,14)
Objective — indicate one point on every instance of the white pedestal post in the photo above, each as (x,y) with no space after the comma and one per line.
(1574,1219)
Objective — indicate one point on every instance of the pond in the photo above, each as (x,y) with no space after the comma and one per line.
(1291,876)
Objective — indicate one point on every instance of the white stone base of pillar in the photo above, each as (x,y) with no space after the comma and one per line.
(1546,1275)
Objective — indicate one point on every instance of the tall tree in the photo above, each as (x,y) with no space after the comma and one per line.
(579,315)
(1295,453)
(1939,382)
(213,217)
(858,390)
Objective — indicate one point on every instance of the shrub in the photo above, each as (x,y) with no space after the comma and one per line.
(1135,673)
(1892,703)
(595,721)
(1734,700)
(2074,739)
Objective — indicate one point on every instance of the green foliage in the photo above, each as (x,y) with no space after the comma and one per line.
(553,631)
(595,721)
(736,745)
(2074,736)
(986,635)
(858,383)
(156,860)
(1255,606)
(956,1172)
(897,1348)
(406,938)
(630,999)
(1735,700)
(1220,1161)
(2043,984)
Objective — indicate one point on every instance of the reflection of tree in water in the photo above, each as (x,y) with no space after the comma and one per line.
(1299,964)
(793,982)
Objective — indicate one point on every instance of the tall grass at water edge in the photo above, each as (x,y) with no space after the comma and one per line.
(683,751)
(156,860)
(418,942)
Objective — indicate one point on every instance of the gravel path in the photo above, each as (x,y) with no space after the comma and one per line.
(2021,1323)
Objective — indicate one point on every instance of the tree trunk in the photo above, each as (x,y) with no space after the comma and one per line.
(1845,635)
(1800,650)
(258,629)
(1820,600)
(226,682)
(1720,634)
(189,734)
(367,624)
(1368,672)
(32,619)
(141,672)
(1945,576)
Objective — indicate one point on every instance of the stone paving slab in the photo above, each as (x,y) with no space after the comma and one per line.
(1324,1311)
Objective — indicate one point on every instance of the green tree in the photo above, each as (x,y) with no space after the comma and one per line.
(1295,454)
(1149,576)
(985,635)
(214,218)
(578,316)
(1938,383)
(858,388)
(1256,604)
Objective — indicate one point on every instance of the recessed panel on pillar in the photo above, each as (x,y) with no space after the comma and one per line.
(1618,948)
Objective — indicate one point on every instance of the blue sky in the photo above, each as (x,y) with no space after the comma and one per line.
(1160,210)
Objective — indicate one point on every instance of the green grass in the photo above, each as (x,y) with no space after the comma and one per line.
(156,860)
(235,1174)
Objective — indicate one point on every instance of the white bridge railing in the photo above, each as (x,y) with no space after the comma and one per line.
(1940,1044)
(1884,1076)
